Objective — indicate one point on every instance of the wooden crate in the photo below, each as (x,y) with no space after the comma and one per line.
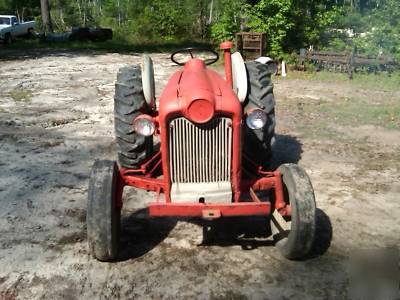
(251,44)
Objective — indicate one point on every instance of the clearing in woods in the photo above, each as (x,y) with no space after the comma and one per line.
(56,118)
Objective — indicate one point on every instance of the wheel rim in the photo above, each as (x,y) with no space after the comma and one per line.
(281,226)
(296,235)
(103,214)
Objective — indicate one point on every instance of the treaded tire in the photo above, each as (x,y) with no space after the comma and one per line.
(30,34)
(103,216)
(129,102)
(300,194)
(258,143)
(8,39)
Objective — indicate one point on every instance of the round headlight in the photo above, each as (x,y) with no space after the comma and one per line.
(144,125)
(256,119)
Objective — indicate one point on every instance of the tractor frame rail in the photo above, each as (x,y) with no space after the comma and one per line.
(250,203)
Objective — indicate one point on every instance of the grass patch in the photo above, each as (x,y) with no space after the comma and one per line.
(319,119)
(21,95)
(319,130)
(351,112)
(380,81)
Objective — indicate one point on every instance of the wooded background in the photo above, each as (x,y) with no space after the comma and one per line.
(373,26)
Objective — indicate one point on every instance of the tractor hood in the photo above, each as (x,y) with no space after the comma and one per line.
(198,94)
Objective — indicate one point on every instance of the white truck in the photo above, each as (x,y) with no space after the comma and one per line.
(11,28)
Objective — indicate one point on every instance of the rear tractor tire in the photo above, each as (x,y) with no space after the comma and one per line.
(103,214)
(294,235)
(258,143)
(129,102)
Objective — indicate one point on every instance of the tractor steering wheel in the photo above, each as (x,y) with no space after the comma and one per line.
(193,50)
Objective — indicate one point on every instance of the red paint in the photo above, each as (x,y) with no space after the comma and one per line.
(227,46)
(157,209)
(279,200)
(147,168)
(200,111)
(200,94)
(145,178)
(145,183)
(191,83)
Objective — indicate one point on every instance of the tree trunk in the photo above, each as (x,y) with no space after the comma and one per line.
(211,12)
(119,14)
(46,19)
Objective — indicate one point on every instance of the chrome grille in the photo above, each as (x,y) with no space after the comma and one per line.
(200,153)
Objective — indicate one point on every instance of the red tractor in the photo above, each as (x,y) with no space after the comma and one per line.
(215,138)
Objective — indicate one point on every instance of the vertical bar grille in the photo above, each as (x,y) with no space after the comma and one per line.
(200,153)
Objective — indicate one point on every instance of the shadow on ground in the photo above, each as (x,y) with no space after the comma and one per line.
(140,233)
(253,232)
(286,149)
(248,232)
(323,234)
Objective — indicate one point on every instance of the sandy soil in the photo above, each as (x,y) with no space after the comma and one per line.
(56,119)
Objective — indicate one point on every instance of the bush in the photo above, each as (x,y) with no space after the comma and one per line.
(227,21)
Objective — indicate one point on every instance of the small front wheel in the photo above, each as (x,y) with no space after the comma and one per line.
(103,214)
(294,235)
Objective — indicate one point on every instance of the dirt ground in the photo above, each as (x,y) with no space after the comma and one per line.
(56,119)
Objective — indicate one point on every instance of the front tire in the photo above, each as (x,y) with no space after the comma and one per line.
(103,214)
(296,240)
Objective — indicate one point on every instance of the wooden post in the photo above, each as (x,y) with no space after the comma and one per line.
(351,63)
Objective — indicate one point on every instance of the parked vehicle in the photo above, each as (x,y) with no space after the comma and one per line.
(91,34)
(80,34)
(11,28)
(216,138)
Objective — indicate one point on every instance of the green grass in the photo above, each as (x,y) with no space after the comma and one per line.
(379,81)
(352,112)
(21,95)
(353,109)
(321,118)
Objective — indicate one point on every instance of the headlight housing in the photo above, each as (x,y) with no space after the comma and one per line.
(256,119)
(144,125)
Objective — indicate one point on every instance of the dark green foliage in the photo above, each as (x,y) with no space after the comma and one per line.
(227,18)
(136,20)
(371,25)
(23,9)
